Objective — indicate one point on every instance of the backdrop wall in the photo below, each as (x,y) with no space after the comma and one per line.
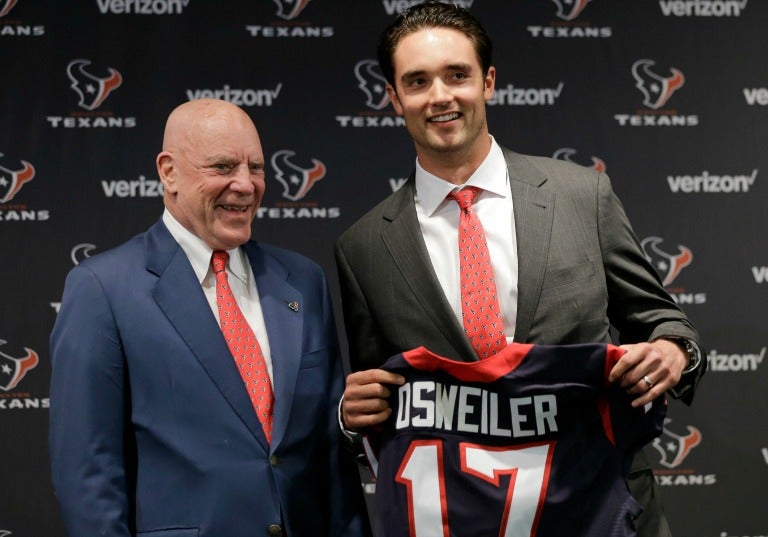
(669,96)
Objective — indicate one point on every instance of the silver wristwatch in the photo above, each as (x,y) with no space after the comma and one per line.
(692,350)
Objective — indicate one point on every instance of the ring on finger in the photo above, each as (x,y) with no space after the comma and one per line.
(648,381)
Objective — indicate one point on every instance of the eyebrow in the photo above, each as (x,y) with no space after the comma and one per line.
(411,74)
(217,159)
(450,67)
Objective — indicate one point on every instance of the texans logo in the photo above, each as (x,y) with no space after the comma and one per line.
(570,9)
(290,9)
(667,265)
(11,181)
(373,84)
(91,89)
(296,181)
(6,6)
(81,252)
(566,153)
(673,447)
(13,369)
(655,88)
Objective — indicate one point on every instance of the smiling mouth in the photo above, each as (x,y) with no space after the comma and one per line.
(238,208)
(444,118)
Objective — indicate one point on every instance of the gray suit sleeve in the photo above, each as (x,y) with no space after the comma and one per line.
(638,305)
(364,350)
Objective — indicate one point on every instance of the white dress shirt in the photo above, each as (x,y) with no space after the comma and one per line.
(239,275)
(439,223)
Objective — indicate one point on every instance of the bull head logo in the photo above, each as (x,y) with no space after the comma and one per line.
(570,9)
(6,6)
(12,369)
(290,9)
(673,447)
(91,89)
(81,252)
(11,181)
(656,89)
(373,84)
(667,265)
(566,153)
(296,181)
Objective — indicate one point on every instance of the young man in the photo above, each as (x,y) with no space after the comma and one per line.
(566,264)
(165,423)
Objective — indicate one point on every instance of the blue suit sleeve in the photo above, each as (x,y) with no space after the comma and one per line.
(88,411)
(348,511)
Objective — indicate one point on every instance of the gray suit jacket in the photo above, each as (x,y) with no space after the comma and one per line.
(581,271)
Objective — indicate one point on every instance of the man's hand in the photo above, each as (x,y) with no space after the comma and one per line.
(365,398)
(647,370)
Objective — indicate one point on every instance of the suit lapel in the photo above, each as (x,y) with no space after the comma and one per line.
(534,213)
(405,244)
(179,295)
(284,328)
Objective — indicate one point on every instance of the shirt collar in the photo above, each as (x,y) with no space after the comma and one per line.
(199,253)
(491,176)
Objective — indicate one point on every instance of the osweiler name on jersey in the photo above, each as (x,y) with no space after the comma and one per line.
(530,442)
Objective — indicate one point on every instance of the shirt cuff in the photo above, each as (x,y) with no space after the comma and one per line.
(352,436)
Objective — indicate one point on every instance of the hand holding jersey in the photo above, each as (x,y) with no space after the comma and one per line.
(365,403)
(647,370)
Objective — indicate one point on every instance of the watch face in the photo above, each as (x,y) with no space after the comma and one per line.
(694,357)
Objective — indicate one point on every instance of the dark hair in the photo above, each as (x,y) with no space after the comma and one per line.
(432,14)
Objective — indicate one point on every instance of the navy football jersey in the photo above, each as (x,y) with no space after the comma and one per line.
(530,442)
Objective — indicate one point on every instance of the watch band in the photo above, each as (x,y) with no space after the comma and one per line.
(692,350)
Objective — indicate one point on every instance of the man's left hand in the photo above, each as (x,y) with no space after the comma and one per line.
(647,370)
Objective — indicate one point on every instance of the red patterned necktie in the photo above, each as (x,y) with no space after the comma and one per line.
(479,303)
(244,346)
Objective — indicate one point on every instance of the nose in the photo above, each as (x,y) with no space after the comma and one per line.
(440,93)
(243,181)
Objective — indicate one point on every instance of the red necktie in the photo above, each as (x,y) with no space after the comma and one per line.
(244,346)
(479,303)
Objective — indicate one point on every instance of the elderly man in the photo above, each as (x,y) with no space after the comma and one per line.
(196,372)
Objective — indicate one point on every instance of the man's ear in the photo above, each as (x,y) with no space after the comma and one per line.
(394,100)
(166,170)
(489,84)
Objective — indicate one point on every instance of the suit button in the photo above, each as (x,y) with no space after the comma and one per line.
(274,530)
(274,461)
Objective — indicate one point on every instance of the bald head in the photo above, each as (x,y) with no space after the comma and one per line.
(193,119)
(212,169)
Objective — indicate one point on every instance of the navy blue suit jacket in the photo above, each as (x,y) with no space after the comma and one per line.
(152,431)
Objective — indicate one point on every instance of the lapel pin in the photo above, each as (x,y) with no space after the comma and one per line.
(294,306)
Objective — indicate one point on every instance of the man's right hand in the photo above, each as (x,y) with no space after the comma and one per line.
(365,398)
